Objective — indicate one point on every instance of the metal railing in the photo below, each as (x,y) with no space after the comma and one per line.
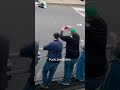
(17,55)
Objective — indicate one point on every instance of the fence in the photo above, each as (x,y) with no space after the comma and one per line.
(16,55)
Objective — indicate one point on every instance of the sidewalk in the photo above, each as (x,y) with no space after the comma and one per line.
(66,2)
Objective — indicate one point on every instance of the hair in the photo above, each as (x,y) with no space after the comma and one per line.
(56,35)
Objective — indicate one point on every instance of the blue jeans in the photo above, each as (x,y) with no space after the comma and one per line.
(50,68)
(112,81)
(80,67)
(68,70)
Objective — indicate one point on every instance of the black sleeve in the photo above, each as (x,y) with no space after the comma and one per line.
(64,38)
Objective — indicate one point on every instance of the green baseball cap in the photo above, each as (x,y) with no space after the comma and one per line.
(72,30)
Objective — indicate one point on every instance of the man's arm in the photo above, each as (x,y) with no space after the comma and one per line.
(64,38)
(48,47)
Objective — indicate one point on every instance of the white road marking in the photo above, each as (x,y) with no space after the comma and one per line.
(79,24)
(79,10)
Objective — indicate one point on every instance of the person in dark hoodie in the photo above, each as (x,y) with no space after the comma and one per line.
(31,51)
(72,54)
(95,39)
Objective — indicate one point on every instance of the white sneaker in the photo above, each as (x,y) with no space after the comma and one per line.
(63,83)
(66,84)
(43,87)
(82,80)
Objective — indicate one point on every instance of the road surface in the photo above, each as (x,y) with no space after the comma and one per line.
(50,20)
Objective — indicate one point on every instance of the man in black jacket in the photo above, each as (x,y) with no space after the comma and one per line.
(95,39)
(72,54)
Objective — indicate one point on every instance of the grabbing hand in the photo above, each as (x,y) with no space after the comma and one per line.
(63,28)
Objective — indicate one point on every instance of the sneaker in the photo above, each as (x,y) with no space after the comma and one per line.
(60,81)
(66,84)
(63,83)
(43,87)
(82,80)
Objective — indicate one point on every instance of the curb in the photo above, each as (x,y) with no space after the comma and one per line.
(65,4)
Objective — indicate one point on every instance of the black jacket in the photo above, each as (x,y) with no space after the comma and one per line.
(72,45)
(95,38)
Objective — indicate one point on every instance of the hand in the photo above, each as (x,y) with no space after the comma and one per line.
(63,28)
(69,27)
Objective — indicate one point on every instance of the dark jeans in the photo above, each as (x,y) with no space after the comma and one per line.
(68,70)
(50,68)
(112,81)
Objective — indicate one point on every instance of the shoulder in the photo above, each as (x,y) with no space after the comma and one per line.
(52,43)
(61,42)
(75,35)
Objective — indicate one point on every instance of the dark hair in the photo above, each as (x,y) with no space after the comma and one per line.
(56,35)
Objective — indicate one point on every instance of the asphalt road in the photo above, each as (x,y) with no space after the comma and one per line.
(50,20)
